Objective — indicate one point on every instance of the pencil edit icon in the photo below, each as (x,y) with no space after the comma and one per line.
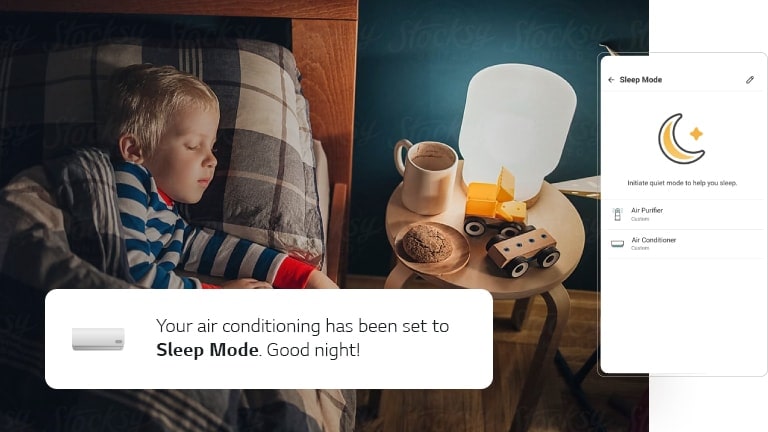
(98,339)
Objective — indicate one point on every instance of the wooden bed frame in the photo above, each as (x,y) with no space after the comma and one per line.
(324,42)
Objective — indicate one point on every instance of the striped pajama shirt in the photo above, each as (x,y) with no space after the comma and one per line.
(159,240)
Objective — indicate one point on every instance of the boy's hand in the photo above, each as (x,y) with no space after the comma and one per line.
(246,283)
(318,279)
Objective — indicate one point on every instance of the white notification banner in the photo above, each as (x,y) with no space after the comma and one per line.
(263,339)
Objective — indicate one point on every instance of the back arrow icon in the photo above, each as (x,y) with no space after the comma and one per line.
(610,79)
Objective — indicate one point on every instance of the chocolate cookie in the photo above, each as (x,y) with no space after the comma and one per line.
(427,244)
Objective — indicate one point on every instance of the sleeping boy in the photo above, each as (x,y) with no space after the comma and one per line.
(163,124)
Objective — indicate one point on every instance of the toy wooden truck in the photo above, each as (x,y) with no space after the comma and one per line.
(493,205)
(514,254)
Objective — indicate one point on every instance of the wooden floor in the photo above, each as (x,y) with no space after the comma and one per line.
(491,410)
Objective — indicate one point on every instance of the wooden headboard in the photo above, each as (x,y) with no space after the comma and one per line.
(324,42)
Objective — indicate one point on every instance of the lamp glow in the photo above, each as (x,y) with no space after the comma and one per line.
(516,116)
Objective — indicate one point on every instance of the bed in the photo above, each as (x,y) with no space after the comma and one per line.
(323,38)
(324,42)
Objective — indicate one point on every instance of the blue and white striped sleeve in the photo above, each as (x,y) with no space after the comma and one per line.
(216,253)
(133,201)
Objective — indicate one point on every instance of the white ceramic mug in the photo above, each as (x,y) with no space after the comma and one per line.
(429,172)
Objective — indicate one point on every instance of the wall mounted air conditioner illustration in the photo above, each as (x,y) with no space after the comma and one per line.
(98,339)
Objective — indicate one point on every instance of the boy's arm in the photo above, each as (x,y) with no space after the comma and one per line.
(216,253)
(133,201)
(143,268)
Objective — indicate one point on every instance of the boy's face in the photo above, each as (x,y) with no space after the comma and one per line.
(183,161)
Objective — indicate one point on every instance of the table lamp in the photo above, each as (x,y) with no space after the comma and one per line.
(516,116)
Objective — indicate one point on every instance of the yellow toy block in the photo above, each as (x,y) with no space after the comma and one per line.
(481,191)
(515,211)
(488,201)
(481,199)
(506,186)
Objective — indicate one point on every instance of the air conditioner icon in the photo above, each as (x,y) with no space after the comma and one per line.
(98,339)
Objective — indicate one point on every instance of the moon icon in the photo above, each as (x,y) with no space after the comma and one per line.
(671,148)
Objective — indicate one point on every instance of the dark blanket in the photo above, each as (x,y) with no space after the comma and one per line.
(59,229)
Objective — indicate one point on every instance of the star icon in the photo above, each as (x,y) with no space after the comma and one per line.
(696,133)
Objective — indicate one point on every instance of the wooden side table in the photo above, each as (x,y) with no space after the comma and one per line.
(554,212)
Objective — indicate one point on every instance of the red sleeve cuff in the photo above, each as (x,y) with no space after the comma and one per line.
(292,274)
(209,286)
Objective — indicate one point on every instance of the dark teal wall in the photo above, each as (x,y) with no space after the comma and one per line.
(415,59)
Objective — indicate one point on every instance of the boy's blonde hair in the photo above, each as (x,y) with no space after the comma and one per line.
(141,98)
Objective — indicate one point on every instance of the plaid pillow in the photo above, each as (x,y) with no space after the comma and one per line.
(264,189)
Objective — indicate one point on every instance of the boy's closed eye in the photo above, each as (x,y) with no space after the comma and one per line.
(214,149)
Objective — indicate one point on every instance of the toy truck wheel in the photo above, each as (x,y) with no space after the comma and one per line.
(547,257)
(511,229)
(517,267)
(495,239)
(527,228)
(474,226)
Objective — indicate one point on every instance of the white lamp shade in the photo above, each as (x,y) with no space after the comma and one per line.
(516,116)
